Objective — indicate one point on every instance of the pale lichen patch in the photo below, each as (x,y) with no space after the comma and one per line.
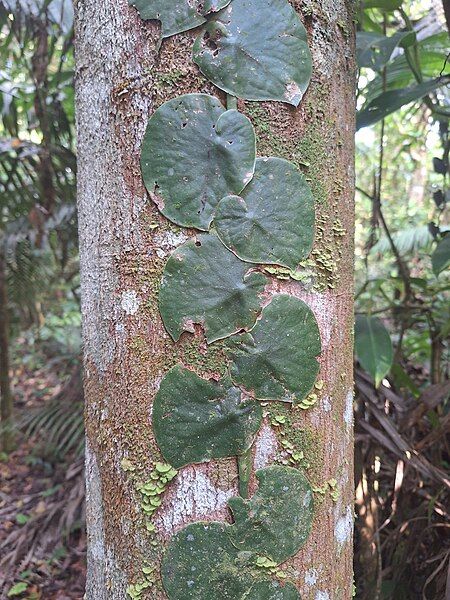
(130,302)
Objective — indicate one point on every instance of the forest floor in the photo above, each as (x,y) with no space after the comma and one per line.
(42,538)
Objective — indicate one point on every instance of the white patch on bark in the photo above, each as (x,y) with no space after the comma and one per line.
(130,302)
(311,577)
(348,412)
(326,404)
(322,596)
(265,447)
(344,527)
(192,498)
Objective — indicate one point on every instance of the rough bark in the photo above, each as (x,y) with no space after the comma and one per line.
(121,79)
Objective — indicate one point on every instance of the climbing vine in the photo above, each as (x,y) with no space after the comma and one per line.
(200,167)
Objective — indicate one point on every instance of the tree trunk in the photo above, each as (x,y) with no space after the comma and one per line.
(6,399)
(121,79)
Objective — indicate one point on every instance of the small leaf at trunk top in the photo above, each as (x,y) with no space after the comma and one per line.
(247,52)
(205,283)
(373,346)
(272,221)
(193,154)
(276,360)
(177,15)
(196,420)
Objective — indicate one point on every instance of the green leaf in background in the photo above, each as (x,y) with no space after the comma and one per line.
(440,258)
(248,53)
(193,154)
(272,222)
(373,347)
(277,360)
(196,420)
(374,51)
(277,520)
(384,5)
(205,283)
(178,15)
(389,102)
(17,589)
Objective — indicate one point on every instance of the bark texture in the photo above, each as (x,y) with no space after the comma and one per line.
(121,79)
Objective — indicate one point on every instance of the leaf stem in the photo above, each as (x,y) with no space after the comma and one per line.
(231,102)
(244,469)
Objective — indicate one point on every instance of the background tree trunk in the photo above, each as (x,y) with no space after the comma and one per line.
(121,79)
(6,399)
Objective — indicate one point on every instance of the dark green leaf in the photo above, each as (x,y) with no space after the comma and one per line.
(178,15)
(247,52)
(273,590)
(374,51)
(389,102)
(277,520)
(276,360)
(201,563)
(194,153)
(196,420)
(272,221)
(205,283)
(373,346)
(441,256)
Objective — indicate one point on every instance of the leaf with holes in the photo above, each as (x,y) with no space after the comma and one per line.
(277,520)
(178,15)
(194,153)
(272,221)
(196,420)
(276,360)
(373,347)
(247,52)
(205,283)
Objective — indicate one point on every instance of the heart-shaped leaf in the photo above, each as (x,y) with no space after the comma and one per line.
(206,561)
(277,520)
(272,221)
(205,283)
(249,53)
(178,15)
(196,420)
(440,258)
(193,154)
(276,360)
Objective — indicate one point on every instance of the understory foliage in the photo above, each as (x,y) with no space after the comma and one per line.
(402,546)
